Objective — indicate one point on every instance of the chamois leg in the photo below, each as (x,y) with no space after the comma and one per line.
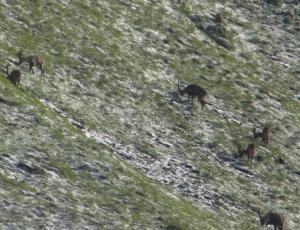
(202,102)
(41,69)
(250,158)
(265,142)
(31,67)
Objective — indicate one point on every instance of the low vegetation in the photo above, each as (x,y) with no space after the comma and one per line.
(105,141)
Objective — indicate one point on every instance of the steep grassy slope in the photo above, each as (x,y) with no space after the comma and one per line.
(144,158)
(53,176)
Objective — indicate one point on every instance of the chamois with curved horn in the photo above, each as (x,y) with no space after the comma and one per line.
(32,60)
(265,135)
(14,76)
(192,91)
(272,218)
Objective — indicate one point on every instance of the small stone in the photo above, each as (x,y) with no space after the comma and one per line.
(187,165)
(102,177)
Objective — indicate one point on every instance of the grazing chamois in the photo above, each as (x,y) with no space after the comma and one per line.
(272,218)
(14,76)
(192,91)
(32,60)
(219,18)
(250,151)
(265,135)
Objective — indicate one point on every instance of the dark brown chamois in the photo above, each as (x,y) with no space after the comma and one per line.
(32,60)
(272,218)
(14,76)
(265,135)
(250,151)
(192,91)
(219,18)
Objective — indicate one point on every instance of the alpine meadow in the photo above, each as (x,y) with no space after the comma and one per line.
(150,114)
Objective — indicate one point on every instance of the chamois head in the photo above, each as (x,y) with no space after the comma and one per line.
(255,134)
(240,151)
(20,54)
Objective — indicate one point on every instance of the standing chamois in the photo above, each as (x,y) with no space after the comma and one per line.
(265,135)
(14,76)
(219,18)
(32,60)
(192,91)
(272,218)
(250,151)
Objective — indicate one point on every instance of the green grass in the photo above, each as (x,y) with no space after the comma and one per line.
(14,185)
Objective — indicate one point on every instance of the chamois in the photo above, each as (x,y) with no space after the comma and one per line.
(219,18)
(250,151)
(265,135)
(32,60)
(192,91)
(272,218)
(14,76)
